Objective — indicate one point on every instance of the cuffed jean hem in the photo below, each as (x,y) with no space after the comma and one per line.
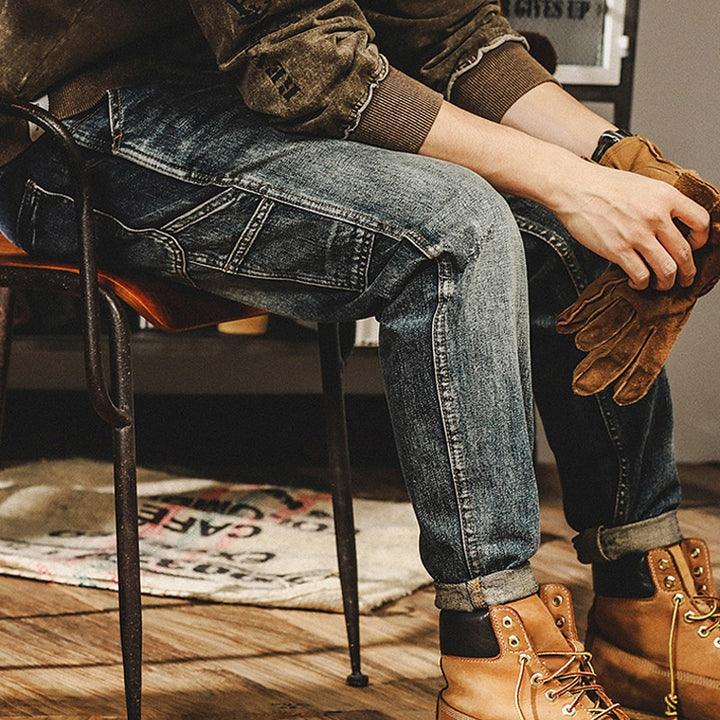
(494,589)
(601,544)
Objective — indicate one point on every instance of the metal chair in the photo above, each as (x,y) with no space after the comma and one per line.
(174,308)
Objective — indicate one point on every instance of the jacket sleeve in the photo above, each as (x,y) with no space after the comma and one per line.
(464,49)
(311,66)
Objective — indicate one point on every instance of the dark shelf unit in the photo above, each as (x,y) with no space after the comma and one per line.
(198,363)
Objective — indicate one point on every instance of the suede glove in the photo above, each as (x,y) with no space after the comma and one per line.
(628,334)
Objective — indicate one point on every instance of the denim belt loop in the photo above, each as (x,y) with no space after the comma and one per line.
(603,544)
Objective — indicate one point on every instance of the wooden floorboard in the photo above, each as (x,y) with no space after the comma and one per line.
(59,650)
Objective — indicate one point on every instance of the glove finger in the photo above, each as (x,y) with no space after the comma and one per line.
(635,384)
(589,304)
(640,375)
(606,364)
(604,326)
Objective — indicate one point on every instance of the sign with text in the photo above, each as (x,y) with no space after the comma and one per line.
(587,35)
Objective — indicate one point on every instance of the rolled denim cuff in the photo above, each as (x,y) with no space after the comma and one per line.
(494,589)
(603,544)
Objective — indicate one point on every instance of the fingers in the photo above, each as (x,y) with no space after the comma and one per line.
(665,257)
(670,259)
(695,222)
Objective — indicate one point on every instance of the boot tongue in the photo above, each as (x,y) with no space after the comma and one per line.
(683,569)
(540,625)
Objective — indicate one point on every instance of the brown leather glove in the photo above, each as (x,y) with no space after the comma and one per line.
(628,334)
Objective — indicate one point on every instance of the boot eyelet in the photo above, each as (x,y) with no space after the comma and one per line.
(557,600)
(560,622)
(670,581)
(514,641)
(703,631)
(688,617)
(507,622)
(698,571)
(536,679)
(695,553)
(663,563)
(716,643)
(550,696)
(568,711)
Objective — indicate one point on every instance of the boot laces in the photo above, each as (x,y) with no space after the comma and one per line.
(711,622)
(576,679)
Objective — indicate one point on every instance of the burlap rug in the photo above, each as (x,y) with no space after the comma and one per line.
(203,539)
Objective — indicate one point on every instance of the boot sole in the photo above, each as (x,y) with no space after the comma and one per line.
(445,712)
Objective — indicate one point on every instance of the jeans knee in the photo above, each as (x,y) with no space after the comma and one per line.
(467,220)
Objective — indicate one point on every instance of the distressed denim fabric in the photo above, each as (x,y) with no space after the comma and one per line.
(191,185)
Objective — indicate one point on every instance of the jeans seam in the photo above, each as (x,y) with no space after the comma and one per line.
(450,417)
(367,222)
(248,235)
(115,117)
(606,411)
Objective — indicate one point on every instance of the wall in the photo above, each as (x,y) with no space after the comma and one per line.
(676,103)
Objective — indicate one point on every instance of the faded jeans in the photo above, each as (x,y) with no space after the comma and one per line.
(466,285)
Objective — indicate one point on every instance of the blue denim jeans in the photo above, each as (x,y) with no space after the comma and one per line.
(191,185)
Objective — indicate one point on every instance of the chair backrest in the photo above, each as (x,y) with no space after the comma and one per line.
(167,305)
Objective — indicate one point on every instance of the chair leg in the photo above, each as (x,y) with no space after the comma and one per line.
(128,561)
(7,306)
(126,509)
(331,362)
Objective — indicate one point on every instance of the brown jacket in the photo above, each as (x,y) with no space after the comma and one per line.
(371,70)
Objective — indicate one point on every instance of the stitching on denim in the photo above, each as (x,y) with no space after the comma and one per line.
(248,235)
(368,222)
(169,241)
(605,405)
(26,215)
(88,139)
(115,115)
(450,416)
(201,211)
(37,192)
(234,261)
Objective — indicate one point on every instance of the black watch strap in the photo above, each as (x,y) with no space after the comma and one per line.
(606,140)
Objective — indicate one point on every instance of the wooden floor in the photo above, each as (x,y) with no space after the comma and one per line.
(59,649)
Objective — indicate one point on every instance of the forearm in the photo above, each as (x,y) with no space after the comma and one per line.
(550,113)
(513,161)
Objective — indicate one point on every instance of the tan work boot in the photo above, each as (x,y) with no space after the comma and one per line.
(528,664)
(661,653)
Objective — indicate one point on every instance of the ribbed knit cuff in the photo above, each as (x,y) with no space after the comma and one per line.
(502,76)
(399,115)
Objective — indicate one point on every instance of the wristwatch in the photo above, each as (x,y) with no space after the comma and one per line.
(608,139)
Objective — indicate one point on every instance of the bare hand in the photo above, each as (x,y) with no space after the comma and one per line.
(635,222)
